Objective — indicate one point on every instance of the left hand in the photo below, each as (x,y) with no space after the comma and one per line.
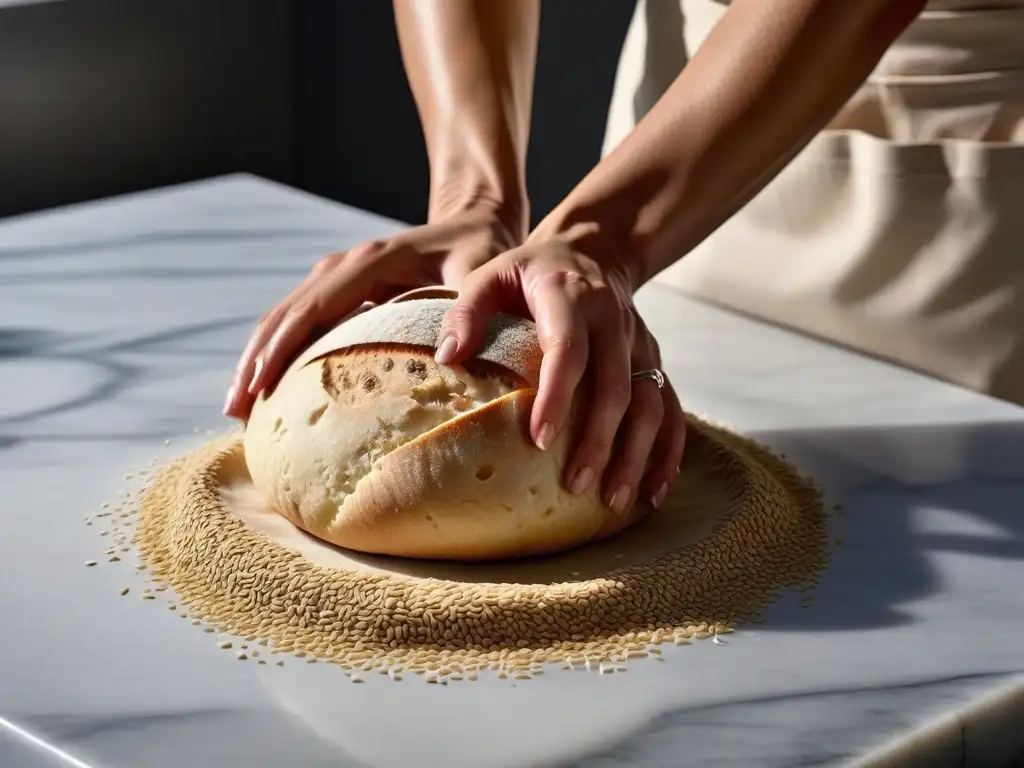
(447,248)
(590,334)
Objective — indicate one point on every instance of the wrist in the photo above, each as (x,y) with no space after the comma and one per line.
(593,237)
(466,192)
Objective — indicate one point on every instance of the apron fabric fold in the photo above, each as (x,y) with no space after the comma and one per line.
(899,230)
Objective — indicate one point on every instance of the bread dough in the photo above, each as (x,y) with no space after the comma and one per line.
(368,444)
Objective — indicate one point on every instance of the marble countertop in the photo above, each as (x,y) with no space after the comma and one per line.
(120,321)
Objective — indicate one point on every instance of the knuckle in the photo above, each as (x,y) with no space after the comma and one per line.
(328,262)
(563,345)
(366,252)
(570,277)
(299,310)
(569,283)
(554,282)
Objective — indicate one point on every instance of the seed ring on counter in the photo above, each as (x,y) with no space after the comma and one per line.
(741,527)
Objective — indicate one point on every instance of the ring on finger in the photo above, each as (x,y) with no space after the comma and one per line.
(654,374)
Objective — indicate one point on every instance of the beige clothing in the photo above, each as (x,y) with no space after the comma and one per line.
(899,230)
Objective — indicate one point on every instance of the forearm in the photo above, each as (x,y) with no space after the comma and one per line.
(769,76)
(470,66)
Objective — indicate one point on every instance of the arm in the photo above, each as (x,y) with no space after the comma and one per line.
(767,79)
(470,67)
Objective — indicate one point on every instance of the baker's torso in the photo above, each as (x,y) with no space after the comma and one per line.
(899,230)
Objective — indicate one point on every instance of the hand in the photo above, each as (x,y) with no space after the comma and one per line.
(341,284)
(590,334)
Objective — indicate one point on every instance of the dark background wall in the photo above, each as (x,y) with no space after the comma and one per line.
(103,97)
(356,133)
(100,97)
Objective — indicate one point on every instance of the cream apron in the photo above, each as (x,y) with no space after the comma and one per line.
(899,231)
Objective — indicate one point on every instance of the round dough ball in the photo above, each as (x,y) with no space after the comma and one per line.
(370,445)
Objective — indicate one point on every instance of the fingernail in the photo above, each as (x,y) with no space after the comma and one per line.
(447,350)
(619,498)
(659,498)
(581,480)
(545,435)
(255,376)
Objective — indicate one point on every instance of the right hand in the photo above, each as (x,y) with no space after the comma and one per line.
(443,251)
(578,286)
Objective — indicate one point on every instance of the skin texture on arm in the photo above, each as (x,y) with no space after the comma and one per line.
(769,76)
(470,66)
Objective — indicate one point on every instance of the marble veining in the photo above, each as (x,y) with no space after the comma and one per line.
(120,321)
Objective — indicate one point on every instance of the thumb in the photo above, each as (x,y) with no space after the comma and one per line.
(483,294)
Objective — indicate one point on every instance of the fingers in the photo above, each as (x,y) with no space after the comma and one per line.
(632,436)
(651,437)
(636,439)
(650,446)
(610,396)
(280,334)
(668,451)
(238,402)
(294,329)
(240,398)
(562,334)
(483,294)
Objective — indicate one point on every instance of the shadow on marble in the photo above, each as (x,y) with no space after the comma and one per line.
(25,342)
(203,238)
(906,495)
(108,377)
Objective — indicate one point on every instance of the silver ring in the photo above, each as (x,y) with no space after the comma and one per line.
(653,374)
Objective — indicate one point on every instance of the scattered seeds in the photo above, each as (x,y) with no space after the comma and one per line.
(243,583)
(90,563)
(124,591)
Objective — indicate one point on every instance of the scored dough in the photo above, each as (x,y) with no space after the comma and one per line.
(372,446)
